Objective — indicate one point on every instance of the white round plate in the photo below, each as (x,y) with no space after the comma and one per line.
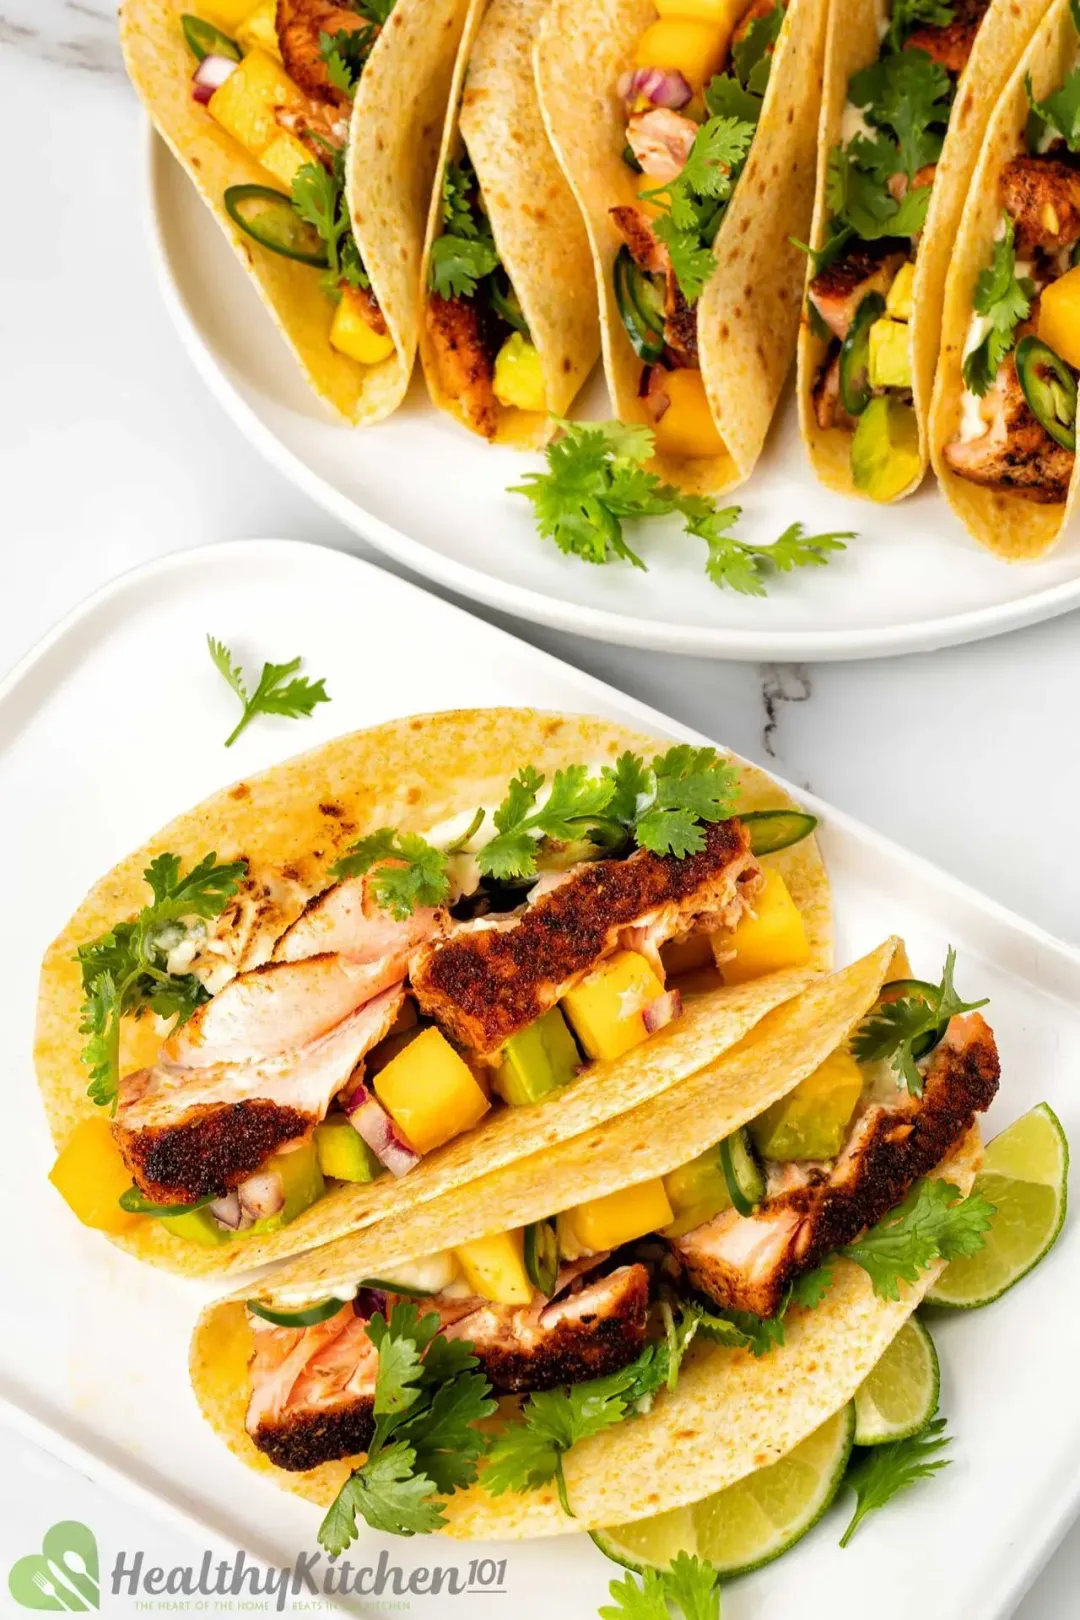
(428,493)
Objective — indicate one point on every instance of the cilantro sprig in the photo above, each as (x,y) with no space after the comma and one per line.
(1005,300)
(897,1032)
(908,15)
(346,51)
(596,479)
(690,1586)
(878,1473)
(465,252)
(125,971)
(935,1222)
(276,692)
(428,1397)
(318,196)
(407,871)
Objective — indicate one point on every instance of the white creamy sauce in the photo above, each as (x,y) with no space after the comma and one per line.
(437,1274)
(294,1299)
(854,123)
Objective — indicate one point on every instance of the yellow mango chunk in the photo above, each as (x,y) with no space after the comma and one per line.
(430,1092)
(770,938)
(724,15)
(620,1217)
(1059,317)
(351,334)
(519,378)
(226,14)
(900,298)
(605,1008)
(811,1122)
(687,427)
(258,31)
(285,157)
(684,45)
(89,1174)
(247,102)
(890,354)
(494,1267)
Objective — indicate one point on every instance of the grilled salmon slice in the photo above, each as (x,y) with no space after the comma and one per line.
(300,23)
(1042,194)
(747,1262)
(464,359)
(951,43)
(488,980)
(1016,454)
(837,291)
(347,920)
(312,1390)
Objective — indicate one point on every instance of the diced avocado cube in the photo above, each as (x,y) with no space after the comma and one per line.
(494,1268)
(537,1060)
(768,939)
(899,300)
(197,1226)
(343,1153)
(620,1217)
(301,1182)
(605,1008)
(430,1092)
(811,1122)
(519,376)
(890,354)
(696,1192)
(885,455)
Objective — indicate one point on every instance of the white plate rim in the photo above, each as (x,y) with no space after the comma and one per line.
(623,629)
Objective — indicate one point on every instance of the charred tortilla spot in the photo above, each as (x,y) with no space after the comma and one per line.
(210,1152)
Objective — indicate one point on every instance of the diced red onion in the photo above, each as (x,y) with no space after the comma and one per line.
(261,1195)
(369,1302)
(382,1136)
(662,87)
(664,1010)
(210,75)
(227,1211)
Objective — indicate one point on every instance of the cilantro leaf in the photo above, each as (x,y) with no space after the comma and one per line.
(895,1029)
(465,252)
(1005,300)
(908,15)
(575,799)
(345,54)
(695,200)
(690,1585)
(407,870)
(691,785)
(752,55)
(744,566)
(631,784)
(879,1473)
(275,693)
(1060,112)
(125,971)
(907,94)
(810,1289)
(691,259)
(389,1494)
(318,195)
(933,1223)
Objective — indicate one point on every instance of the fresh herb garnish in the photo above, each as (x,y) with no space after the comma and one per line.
(935,1222)
(318,196)
(465,252)
(596,479)
(752,55)
(696,199)
(408,871)
(878,1473)
(910,14)
(1005,300)
(125,972)
(690,1586)
(428,1396)
(346,52)
(895,1029)
(1059,114)
(275,693)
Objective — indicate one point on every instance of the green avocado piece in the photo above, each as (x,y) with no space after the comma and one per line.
(696,1192)
(885,448)
(197,1226)
(811,1121)
(301,1182)
(537,1060)
(343,1153)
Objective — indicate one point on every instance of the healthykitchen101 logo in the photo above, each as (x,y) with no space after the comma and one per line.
(63,1575)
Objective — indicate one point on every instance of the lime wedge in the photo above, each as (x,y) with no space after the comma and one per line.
(751,1522)
(900,1395)
(1025,1177)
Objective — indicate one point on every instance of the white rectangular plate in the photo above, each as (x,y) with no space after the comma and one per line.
(115,724)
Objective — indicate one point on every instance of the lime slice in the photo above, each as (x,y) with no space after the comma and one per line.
(1025,1177)
(751,1522)
(900,1395)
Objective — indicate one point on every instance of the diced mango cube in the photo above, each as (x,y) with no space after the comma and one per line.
(430,1092)
(620,1217)
(890,354)
(1059,317)
(247,103)
(770,938)
(258,31)
(494,1267)
(285,157)
(605,1008)
(687,427)
(684,45)
(226,14)
(519,377)
(90,1175)
(724,15)
(900,298)
(811,1121)
(351,334)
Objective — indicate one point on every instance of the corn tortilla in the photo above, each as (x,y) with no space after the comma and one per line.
(291,823)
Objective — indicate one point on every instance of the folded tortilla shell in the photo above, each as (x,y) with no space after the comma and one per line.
(538,231)
(748,315)
(291,823)
(1007,524)
(391,164)
(854,35)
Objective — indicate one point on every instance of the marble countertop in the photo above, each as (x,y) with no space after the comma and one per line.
(112,453)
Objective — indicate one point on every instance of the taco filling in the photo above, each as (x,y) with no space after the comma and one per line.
(693,100)
(861,297)
(1022,354)
(282,85)
(485,964)
(724,1245)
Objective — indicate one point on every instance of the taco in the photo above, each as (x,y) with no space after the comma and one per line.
(377,971)
(310,129)
(1003,421)
(509,329)
(689,141)
(737,1211)
(906,102)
